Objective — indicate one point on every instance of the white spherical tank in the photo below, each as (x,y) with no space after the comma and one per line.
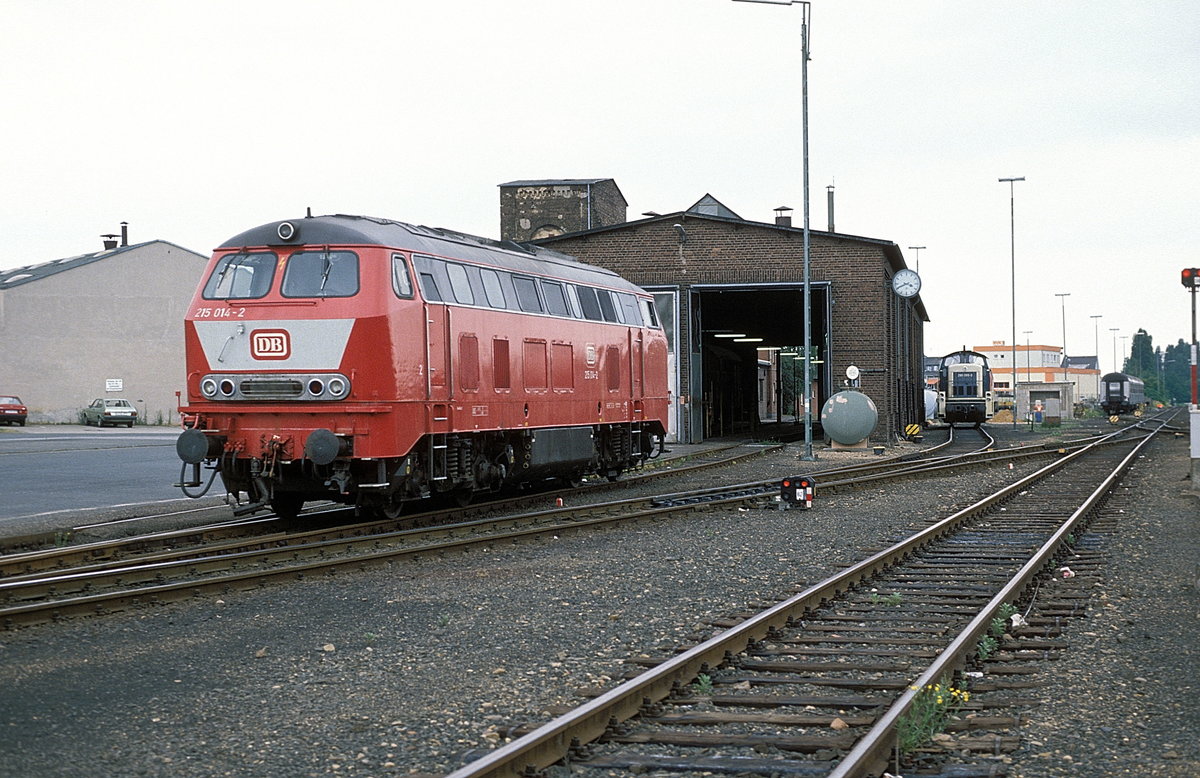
(849,417)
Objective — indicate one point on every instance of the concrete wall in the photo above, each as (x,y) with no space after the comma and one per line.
(118,317)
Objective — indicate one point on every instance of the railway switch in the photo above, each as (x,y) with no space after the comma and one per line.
(798,491)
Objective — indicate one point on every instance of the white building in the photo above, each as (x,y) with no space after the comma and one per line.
(106,324)
(1038,363)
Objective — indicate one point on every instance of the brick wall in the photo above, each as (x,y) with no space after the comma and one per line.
(533,210)
(871,327)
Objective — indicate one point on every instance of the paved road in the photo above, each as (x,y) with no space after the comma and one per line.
(47,469)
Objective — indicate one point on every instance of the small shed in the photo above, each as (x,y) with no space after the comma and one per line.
(1048,402)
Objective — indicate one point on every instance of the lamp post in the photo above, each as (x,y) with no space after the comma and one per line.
(1116,365)
(1012,237)
(1028,365)
(917,255)
(805,23)
(1063,297)
(1096,326)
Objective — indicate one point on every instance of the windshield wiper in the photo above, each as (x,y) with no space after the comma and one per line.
(325,272)
(234,260)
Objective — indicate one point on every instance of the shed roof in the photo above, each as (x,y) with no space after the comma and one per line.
(30,273)
(895,257)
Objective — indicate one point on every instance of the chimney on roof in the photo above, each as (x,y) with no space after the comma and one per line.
(110,241)
(124,233)
(783,216)
(829,200)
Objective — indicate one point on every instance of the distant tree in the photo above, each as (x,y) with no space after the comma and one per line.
(1177,373)
(1146,363)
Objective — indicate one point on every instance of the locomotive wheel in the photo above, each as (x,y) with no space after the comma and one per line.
(287,505)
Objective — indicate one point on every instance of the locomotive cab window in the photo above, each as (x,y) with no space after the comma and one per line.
(629,309)
(321,274)
(401,281)
(242,276)
(649,315)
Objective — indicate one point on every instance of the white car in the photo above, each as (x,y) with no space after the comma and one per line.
(110,410)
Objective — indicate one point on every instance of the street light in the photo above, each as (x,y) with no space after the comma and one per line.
(1028,364)
(1096,326)
(805,23)
(1012,237)
(1116,365)
(917,256)
(1063,296)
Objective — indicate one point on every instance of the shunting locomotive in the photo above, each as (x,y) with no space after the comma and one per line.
(965,389)
(375,363)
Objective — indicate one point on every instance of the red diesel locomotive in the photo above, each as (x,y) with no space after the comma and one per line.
(374,363)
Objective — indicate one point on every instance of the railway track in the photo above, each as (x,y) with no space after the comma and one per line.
(103,578)
(830,680)
(335,521)
(106,577)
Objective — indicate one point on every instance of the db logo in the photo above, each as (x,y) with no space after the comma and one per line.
(270,344)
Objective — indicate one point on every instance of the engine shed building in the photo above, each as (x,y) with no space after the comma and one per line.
(103,324)
(717,276)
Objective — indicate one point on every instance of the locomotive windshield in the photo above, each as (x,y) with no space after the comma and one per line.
(321,274)
(241,275)
(964,358)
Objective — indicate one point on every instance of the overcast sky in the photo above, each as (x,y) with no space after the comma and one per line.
(196,121)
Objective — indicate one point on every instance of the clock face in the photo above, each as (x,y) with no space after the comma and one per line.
(906,283)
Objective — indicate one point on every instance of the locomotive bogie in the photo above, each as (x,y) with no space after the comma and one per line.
(402,362)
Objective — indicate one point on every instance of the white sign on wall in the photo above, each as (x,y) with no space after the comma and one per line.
(114,384)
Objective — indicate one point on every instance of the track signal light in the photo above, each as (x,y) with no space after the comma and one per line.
(1190,276)
(797,491)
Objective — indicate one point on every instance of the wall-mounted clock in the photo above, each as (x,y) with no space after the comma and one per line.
(906,283)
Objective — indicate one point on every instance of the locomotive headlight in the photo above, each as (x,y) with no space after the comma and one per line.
(208,387)
(338,387)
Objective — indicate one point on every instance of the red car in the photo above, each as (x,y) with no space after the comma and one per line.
(12,410)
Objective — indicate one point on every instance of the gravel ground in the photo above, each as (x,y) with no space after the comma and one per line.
(403,670)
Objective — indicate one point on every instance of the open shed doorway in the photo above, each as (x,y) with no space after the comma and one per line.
(751,360)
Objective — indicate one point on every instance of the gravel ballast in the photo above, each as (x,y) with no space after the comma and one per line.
(404,669)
